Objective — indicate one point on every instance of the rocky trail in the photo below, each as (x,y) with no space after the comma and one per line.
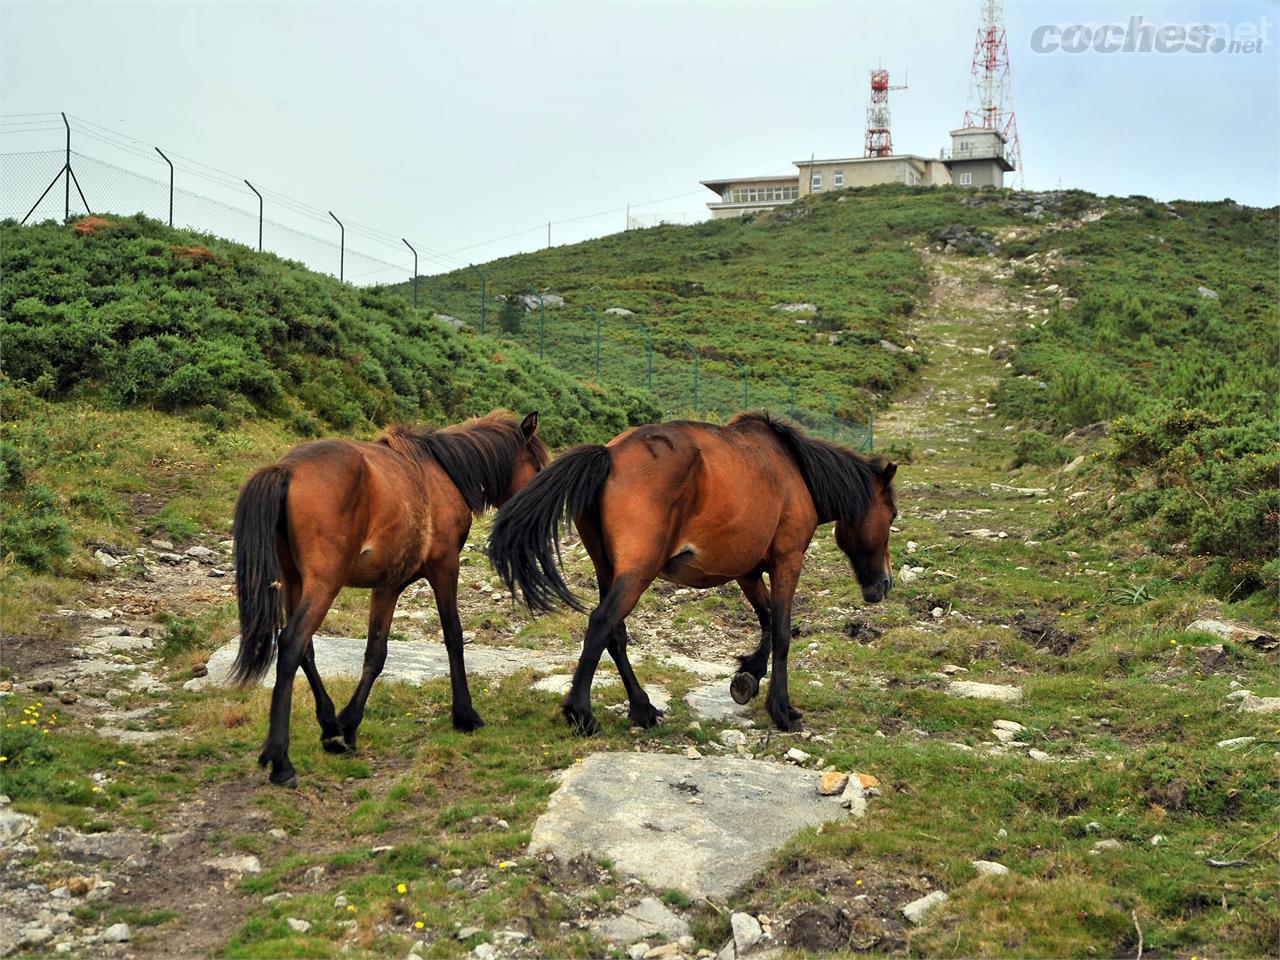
(682,825)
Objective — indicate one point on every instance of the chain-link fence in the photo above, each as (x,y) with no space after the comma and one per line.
(594,342)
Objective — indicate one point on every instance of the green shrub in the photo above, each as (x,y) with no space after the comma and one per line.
(1040,449)
(32,528)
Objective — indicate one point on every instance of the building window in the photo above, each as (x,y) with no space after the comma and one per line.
(837,179)
(816,182)
(966,179)
(763,194)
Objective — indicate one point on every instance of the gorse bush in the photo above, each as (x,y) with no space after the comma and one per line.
(1172,337)
(133,312)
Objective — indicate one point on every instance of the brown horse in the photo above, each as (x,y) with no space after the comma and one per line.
(382,515)
(699,505)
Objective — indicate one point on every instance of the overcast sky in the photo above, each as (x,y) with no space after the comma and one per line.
(453,124)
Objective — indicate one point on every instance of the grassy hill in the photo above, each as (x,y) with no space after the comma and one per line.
(714,289)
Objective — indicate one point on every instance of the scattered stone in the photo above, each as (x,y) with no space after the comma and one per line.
(989,867)
(242,863)
(890,347)
(275,833)
(1156,839)
(1010,725)
(868,782)
(1236,742)
(637,950)
(106,559)
(36,935)
(1039,755)
(313,875)
(796,755)
(950,669)
(1252,704)
(917,910)
(984,691)
(298,925)
(164,545)
(631,809)
(854,799)
(693,754)
(832,783)
(79,886)
(746,932)
(1235,632)
(42,686)
(733,738)
(795,307)
(277,897)
(484,951)
(13,826)
(117,933)
(1207,293)
(619,312)
(648,918)
(466,933)
(937,613)
(68,697)
(1108,844)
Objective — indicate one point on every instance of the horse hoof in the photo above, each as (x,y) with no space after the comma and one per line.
(467,722)
(583,724)
(647,718)
(284,778)
(743,687)
(335,744)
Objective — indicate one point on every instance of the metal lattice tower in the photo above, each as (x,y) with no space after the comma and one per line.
(879,138)
(991,89)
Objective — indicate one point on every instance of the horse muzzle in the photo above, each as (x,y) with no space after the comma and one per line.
(877,591)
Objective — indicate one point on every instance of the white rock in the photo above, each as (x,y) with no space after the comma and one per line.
(1108,844)
(637,950)
(984,691)
(1039,755)
(917,910)
(244,863)
(796,755)
(693,754)
(1252,704)
(1156,839)
(298,925)
(733,738)
(14,825)
(936,613)
(116,933)
(1011,725)
(106,559)
(1236,742)
(200,553)
(484,951)
(162,545)
(989,867)
(854,798)
(746,932)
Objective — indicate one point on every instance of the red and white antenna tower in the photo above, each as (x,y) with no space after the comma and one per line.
(879,139)
(992,91)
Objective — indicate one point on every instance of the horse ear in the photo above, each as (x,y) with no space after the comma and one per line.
(886,475)
(529,425)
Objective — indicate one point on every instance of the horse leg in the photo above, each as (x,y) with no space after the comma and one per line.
(382,606)
(782,588)
(295,642)
(605,619)
(640,711)
(444,583)
(752,668)
(325,715)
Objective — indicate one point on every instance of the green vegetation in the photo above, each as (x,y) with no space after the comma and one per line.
(1164,321)
(129,312)
(712,288)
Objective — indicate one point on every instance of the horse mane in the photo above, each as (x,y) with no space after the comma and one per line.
(841,482)
(478,455)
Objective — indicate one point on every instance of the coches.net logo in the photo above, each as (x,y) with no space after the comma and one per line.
(1140,36)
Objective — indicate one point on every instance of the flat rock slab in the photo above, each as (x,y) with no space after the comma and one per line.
(634,809)
(648,918)
(984,691)
(711,701)
(409,661)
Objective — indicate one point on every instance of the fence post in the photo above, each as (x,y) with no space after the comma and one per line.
(255,190)
(170,163)
(697,402)
(831,406)
(342,248)
(596,314)
(483,298)
(66,202)
(415,271)
(648,350)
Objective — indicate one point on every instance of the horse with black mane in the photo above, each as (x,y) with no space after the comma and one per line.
(335,513)
(699,505)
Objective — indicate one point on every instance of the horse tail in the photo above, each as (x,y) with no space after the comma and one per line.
(524,546)
(260,511)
